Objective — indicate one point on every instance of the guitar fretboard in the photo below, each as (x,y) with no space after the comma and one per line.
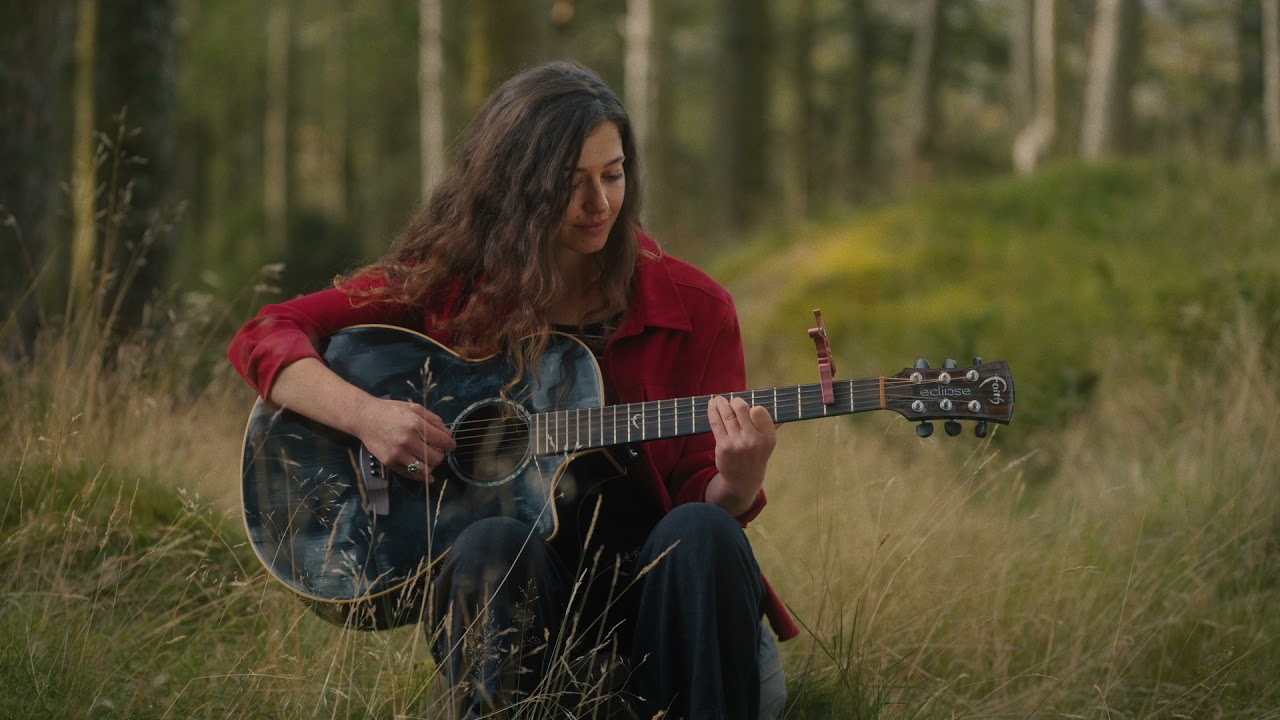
(567,431)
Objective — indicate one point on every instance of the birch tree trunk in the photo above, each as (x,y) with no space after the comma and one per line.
(431,92)
(1022,84)
(637,72)
(1111,57)
(1271,77)
(1033,142)
(661,189)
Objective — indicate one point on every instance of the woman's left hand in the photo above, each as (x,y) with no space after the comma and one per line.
(745,438)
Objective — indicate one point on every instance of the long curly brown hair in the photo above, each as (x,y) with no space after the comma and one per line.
(479,256)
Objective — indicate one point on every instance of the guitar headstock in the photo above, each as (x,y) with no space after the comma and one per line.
(981,392)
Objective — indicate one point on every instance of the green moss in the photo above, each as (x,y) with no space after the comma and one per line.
(1068,275)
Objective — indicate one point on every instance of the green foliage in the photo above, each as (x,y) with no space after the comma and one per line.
(114,588)
(1070,276)
(1120,562)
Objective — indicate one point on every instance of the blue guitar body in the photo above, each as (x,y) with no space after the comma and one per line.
(311,519)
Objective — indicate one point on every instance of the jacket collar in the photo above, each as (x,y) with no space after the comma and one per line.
(655,300)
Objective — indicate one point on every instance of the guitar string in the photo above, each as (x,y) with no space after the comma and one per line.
(469,446)
(794,397)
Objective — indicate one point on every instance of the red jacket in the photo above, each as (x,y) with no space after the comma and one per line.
(679,338)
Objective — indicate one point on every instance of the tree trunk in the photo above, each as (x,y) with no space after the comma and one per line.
(637,72)
(660,159)
(862,98)
(34,52)
(275,125)
(742,182)
(923,119)
(136,104)
(1271,77)
(800,164)
(84,181)
(507,37)
(431,92)
(1242,110)
(1110,66)
(337,115)
(563,13)
(1022,84)
(1033,142)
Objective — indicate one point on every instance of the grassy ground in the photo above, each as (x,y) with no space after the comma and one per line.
(1114,553)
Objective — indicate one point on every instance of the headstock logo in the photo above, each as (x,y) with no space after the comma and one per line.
(997,389)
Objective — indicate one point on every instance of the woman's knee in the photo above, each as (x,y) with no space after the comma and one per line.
(495,545)
(702,526)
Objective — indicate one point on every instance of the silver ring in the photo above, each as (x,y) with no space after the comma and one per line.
(413,468)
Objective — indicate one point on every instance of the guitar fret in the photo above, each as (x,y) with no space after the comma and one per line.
(559,432)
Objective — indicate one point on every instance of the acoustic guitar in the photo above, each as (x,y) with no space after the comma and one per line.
(356,542)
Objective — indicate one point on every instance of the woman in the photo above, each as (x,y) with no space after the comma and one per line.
(533,229)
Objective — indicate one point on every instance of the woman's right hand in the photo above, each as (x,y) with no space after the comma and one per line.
(398,433)
(404,436)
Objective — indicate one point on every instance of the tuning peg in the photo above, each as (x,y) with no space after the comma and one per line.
(952,427)
(924,429)
(921,363)
(977,360)
(950,364)
(980,429)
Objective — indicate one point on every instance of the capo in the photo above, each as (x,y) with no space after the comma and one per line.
(826,363)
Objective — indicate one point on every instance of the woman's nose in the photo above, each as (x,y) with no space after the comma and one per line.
(596,200)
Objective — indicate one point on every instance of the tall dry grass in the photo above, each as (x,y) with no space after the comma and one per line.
(1127,566)
(1124,565)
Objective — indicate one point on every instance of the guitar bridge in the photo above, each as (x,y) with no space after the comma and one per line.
(373,477)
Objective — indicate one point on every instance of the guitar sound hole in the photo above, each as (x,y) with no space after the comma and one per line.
(493,443)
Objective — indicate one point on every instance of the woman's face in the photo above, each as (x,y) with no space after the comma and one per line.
(599,188)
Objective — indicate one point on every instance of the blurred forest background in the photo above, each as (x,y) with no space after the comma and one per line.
(244,133)
(1088,189)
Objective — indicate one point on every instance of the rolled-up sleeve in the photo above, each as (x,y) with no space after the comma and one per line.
(283,333)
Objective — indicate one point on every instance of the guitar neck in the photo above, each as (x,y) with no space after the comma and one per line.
(581,429)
